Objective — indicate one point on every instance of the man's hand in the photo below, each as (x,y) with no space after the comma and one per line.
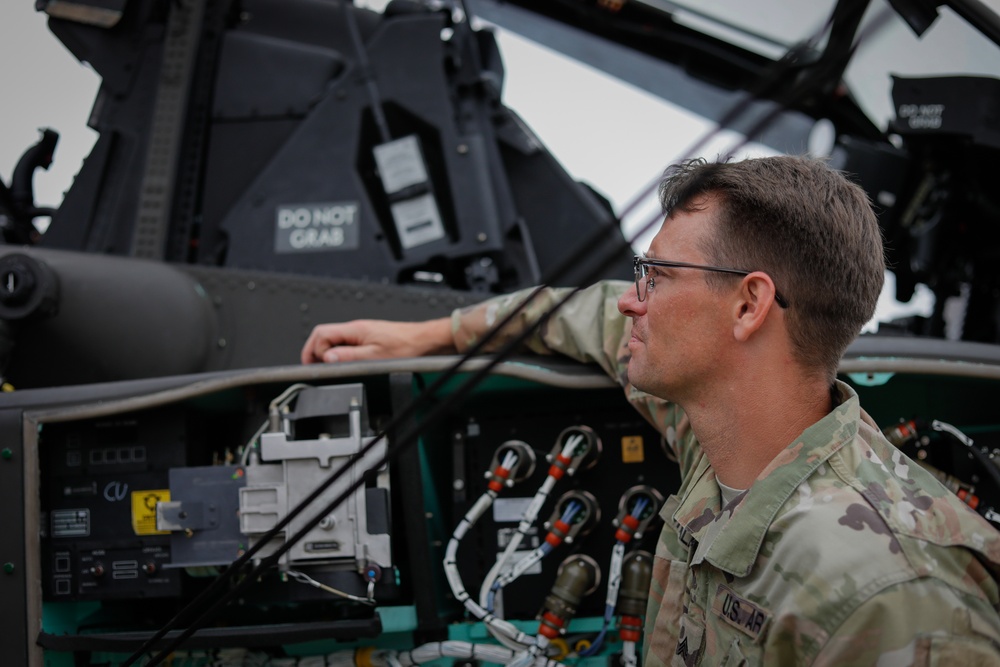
(377,339)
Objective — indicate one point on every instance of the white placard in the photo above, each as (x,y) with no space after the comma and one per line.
(400,164)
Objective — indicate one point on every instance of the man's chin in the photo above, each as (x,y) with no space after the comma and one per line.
(634,377)
(642,383)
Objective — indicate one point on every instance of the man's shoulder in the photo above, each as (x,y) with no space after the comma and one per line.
(831,553)
(909,499)
(887,520)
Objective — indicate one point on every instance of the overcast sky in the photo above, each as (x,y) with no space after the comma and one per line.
(41,85)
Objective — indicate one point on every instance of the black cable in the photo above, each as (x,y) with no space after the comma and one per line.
(763,90)
(441,410)
(365,69)
(979,15)
(776,74)
(406,413)
(392,450)
(509,348)
(444,408)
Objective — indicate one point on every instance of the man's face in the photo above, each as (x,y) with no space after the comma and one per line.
(679,329)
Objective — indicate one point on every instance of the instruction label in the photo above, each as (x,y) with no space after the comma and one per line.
(70,523)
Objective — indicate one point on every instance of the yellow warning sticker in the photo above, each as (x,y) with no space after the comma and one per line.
(144,511)
(632,449)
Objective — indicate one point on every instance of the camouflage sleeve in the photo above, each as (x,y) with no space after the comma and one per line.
(918,622)
(588,328)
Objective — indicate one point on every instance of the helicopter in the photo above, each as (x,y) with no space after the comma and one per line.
(265,166)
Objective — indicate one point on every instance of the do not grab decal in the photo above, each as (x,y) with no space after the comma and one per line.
(316,227)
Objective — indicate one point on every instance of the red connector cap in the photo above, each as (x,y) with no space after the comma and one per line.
(558,467)
(551,625)
(559,530)
(630,628)
(627,530)
(500,476)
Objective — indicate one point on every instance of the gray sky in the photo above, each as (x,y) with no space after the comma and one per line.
(42,85)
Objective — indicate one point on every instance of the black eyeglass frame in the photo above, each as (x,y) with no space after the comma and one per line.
(640,264)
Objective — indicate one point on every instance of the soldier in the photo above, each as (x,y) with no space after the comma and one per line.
(799,535)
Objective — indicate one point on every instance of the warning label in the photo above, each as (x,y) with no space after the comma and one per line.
(316,227)
(144,511)
(632,449)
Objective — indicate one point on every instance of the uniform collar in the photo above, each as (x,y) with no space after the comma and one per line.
(733,545)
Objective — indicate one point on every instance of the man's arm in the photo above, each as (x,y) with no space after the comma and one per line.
(377,339)
(587,328)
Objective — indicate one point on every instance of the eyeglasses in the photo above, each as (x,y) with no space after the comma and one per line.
(645,282)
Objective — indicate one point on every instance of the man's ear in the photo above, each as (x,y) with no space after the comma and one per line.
(755,301)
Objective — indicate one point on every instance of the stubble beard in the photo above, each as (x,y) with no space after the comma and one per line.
(642,381)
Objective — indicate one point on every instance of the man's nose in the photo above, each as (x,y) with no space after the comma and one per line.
(629,304)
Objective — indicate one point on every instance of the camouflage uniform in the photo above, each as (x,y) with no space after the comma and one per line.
(837,555)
